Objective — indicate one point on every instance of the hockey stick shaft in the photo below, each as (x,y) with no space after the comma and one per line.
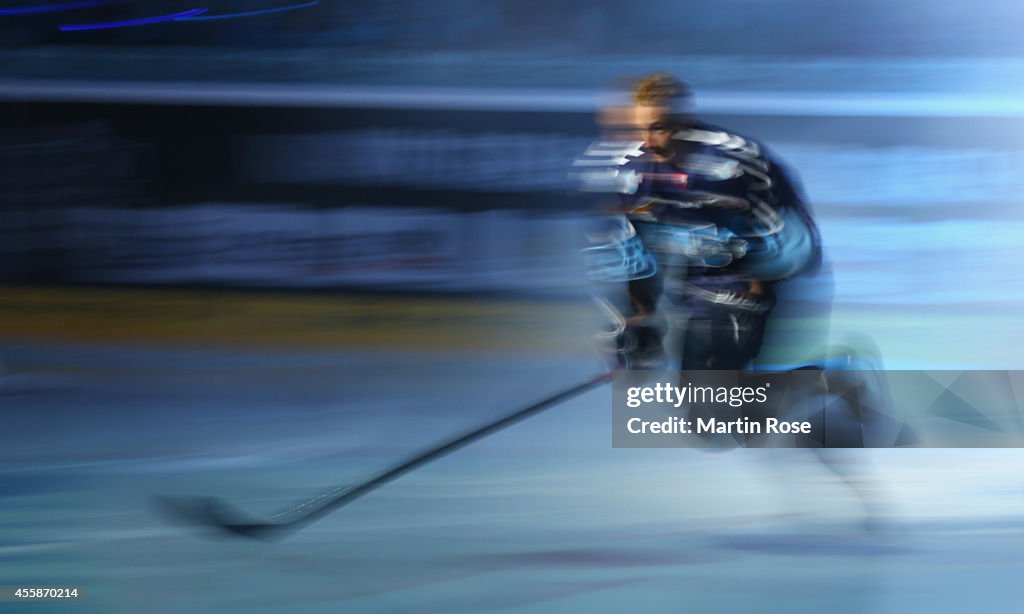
(444,449)
(212,512)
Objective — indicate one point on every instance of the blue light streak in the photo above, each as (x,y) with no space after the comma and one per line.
(132,22)
(249,13)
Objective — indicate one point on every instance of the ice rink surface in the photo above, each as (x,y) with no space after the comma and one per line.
(544,516)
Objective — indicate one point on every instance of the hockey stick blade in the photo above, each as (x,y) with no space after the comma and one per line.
(214,513)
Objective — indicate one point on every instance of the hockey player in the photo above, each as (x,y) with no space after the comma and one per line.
(732,209)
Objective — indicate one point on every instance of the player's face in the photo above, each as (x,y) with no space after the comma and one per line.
(655,129)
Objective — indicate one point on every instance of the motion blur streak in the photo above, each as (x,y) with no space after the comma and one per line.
(279,9)
(133,22)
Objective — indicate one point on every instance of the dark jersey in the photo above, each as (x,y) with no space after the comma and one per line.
(728,201)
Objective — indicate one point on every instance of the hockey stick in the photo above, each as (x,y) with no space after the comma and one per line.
(215,513)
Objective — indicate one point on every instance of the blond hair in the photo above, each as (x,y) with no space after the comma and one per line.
(663,90)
